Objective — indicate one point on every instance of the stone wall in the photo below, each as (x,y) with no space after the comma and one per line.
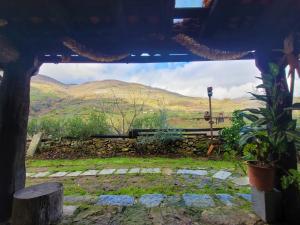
(104,147)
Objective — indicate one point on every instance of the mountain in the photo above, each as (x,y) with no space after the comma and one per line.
(50,97)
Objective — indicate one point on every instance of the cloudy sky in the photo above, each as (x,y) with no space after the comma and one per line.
(230,79)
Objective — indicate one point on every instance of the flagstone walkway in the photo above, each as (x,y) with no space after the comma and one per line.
(221,174)
(181,209)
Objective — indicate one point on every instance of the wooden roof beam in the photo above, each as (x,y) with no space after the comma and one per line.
(190,13)
(8,53)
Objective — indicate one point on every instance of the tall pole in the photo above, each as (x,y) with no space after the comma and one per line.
(209,92)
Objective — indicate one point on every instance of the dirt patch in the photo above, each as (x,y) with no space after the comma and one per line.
(171,215)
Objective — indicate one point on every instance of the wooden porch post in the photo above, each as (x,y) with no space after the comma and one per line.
(14,110)
(291,196)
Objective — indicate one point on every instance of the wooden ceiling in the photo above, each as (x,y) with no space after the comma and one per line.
(144,28)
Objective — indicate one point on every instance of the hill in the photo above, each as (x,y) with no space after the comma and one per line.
(53,98)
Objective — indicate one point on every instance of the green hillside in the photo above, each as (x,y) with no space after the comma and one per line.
(50,97)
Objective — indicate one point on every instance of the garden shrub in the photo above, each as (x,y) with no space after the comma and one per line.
(231,136)
(162,142)
(155,120)
(76,126)
(202,146)
(51,126)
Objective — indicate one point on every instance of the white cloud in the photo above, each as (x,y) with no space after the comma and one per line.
(230,79)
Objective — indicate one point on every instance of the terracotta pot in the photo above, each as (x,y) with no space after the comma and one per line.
(261,177)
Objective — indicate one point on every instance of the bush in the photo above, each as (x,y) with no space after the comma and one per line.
(79,128)
(33,127)
(75,126)
(51,126)
(156,120)
(162,141)
(231,135)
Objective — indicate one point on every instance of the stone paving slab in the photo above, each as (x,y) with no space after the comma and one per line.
(240,181)
(167,171)
(90,173)
(150,170)
(222,175)
(134,170)
(41,174)
(192,172)
(246,197)
(74,174)
(79,199)
(116,200)
(151,200)
(59,174)
(30,174)
(205,182)
(68,210)
(225,199)
(106,171)
(121,171)
(200,201)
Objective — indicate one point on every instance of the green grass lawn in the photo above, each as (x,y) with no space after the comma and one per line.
(133,184)
(126,162)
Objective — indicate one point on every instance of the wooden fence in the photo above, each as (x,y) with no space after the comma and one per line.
(134,133)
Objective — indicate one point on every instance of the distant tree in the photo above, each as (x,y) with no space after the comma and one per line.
(122,115)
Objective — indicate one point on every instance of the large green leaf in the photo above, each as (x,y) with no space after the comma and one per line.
(293,135)
(262,98)
(245,138)
(250,117)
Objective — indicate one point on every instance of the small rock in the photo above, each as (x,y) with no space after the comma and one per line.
(68,210)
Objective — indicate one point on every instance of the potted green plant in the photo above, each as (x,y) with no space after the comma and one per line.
(265,137)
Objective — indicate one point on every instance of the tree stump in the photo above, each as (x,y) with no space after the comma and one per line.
(40,204)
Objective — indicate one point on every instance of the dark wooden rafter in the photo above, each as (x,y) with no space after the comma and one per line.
(119,26)
(8,52)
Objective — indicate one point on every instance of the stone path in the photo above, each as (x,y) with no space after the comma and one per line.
(154,200)
(207,174)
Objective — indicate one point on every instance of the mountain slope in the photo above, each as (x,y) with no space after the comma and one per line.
(51,96)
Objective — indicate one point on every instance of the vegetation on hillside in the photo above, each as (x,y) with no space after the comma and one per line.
(52,99)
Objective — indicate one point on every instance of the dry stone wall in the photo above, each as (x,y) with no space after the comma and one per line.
(105,147)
